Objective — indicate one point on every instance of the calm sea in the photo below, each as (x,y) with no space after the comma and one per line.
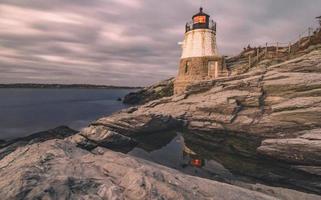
(26,111)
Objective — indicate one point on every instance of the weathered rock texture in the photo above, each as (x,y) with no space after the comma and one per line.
(270,101)
(305,150)
(116,131)
(58,169)
(156,91)
(56,133)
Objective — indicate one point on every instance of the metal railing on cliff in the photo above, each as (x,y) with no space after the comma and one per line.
(279,50)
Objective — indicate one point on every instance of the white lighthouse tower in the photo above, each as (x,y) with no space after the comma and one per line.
(200,37)
(200,59)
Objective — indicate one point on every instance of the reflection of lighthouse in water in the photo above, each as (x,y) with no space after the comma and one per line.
(193,158)
(194,163)
(189,157)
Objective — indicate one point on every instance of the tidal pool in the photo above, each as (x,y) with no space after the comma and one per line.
(223,157)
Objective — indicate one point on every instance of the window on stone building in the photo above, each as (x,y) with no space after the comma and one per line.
(187,66)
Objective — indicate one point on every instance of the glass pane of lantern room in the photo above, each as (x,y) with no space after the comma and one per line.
(200,20)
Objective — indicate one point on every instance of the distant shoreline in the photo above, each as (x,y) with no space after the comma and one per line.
(64,86)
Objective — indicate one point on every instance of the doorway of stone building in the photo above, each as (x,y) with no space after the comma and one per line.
(187,67)
(212,68)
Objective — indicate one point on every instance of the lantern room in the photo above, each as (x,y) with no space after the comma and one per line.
(201,20)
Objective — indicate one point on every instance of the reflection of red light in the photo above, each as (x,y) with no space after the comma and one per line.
(196,162)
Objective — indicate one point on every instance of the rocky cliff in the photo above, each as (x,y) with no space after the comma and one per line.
(159,90)
(280,104)
(271,101)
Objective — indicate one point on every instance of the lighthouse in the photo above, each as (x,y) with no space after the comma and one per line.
(200,59)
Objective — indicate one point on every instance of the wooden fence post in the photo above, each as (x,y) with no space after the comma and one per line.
(250,61)
(257,54)
(277,49)
(289,47)
(266,49)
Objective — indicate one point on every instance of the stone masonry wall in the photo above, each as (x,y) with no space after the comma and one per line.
(196,69)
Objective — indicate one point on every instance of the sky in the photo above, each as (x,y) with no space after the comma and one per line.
(130,42)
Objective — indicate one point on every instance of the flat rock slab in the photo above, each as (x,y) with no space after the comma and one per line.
(315,170)
(57,169)
(305,150)
(56,133)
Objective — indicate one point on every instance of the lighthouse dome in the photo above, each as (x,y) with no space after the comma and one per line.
(201,13)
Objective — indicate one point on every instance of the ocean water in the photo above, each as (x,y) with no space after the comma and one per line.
(26,111)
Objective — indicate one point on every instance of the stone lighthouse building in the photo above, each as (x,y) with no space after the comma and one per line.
(200,59)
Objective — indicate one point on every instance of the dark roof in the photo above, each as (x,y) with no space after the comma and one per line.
(201,13)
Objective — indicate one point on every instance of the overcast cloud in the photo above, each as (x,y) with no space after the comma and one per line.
(130,42)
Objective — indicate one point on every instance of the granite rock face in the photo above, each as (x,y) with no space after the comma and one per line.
(304,150)
(117,130)
(156,91)
(56,133)
(57,169)
(270,102)
(95,136)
